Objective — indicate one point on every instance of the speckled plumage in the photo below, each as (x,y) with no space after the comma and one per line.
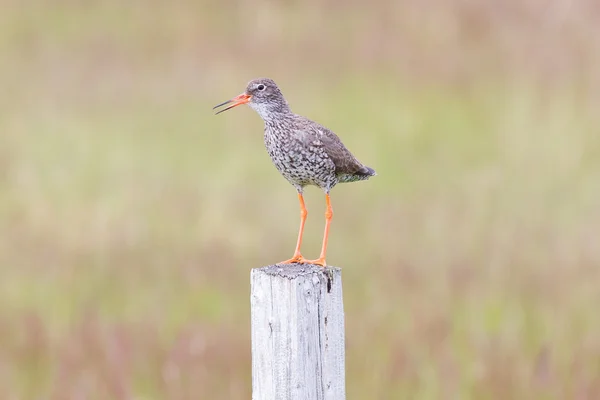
(304,152)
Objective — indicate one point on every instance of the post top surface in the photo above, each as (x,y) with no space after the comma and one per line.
(291,271)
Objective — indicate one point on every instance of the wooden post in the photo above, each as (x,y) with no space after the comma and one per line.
(297,324)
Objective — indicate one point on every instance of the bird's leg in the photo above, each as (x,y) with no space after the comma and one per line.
(297,258)
(328,217)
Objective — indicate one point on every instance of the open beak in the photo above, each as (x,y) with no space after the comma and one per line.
(236,101)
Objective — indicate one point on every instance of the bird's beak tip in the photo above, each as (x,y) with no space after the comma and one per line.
(222,104)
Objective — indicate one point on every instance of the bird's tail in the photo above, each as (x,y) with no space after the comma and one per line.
(367,171)
(362,174)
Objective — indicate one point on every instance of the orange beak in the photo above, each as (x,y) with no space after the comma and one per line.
(237,101)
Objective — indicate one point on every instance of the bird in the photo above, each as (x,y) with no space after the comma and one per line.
(303,151)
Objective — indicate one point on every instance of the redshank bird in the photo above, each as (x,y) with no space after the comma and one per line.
(304,152)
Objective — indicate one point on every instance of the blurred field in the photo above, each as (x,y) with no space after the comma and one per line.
(130,216)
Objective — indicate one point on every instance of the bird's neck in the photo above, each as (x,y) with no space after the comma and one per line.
(269,113)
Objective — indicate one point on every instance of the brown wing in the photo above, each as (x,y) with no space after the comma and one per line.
(344,161)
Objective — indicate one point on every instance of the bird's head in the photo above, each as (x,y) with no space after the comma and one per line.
(262,95)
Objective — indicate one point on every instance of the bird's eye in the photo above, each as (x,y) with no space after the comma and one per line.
(261,87)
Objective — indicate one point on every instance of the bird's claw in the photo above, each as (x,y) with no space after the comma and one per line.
(301,260)
(297,259)
(319,261)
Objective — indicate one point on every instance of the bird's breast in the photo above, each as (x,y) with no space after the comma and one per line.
(300,162)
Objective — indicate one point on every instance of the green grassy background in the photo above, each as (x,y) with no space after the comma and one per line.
(130,216)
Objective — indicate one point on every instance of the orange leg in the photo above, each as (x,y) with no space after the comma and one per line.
(328,217)
(297,258)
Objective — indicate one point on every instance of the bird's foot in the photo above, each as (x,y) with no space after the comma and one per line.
(297,259)
(320,261)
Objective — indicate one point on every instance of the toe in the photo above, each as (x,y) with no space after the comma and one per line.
(319,261)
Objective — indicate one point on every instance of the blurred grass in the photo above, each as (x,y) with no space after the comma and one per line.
(130,215)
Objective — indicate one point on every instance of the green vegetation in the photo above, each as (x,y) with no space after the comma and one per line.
(130,216)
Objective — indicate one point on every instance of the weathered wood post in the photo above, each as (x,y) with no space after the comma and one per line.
(297,333)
